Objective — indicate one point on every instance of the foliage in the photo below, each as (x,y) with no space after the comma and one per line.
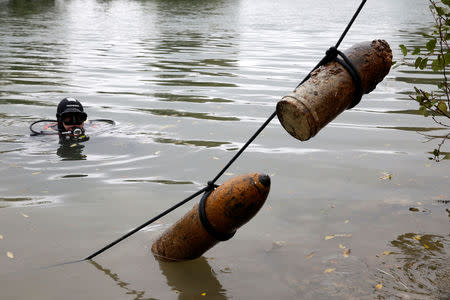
(435,54)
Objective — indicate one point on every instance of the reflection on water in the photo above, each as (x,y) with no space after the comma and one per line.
(162,181)
(174,113)
(189,280)
(206,144)
(136,294)
(71,150)
(189,98)
(26,201)
(417,266)
(188,82)
(23,8)
(192,279)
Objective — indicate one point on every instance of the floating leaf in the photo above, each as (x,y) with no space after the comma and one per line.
(73,145)
(309,256)
(426,246)
(344,235)
(379,286)
(329,237)
(346,252)
(386,176)
(417,237)
(341,246)
(346,221)
(1,237)
(329,270)
(413,209)
(10,254)
(278,244)
(203,294)
(25,215)
(386,253)
(35,173)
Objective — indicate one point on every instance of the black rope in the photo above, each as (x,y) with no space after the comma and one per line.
(349,25)
(211,184)
(331,54)
(245,146)
(147,223)
(350,67)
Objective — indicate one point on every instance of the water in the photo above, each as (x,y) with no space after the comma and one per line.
(187,83)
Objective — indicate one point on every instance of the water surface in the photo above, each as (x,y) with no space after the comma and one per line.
(187,83)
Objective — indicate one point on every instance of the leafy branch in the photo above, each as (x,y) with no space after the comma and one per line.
(436,55)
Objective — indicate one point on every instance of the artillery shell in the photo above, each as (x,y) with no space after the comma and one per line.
(331,89)
(227,208)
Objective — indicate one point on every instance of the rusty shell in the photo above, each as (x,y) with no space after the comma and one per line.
(330,89)
(227,208)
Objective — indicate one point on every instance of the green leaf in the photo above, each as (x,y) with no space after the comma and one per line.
(431,44)
(436,152)
(440,11)
(442,106)
(436,65)
(423,110)
(417,50)
(404,50)
(447,58)
(423,63)
(417,62)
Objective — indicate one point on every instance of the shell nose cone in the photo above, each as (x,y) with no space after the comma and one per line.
(264,180)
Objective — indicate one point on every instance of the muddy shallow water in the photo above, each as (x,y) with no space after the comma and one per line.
(357,212)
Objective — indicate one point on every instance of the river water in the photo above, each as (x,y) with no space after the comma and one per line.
(357,212)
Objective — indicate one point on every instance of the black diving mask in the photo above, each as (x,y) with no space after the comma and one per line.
(73,119)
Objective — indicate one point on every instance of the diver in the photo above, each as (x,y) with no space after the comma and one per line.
(70,116)
(71,121)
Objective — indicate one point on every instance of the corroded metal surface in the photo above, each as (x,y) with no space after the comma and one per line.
(227,208)
(331,89)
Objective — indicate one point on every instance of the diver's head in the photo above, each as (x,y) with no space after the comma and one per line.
(71,116)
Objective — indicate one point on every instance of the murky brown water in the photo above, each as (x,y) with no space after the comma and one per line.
(188,82)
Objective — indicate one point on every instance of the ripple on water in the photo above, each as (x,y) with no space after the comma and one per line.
(416,266)
(27,201)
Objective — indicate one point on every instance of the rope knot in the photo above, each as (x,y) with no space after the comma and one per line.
(211,186)
(331,53)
